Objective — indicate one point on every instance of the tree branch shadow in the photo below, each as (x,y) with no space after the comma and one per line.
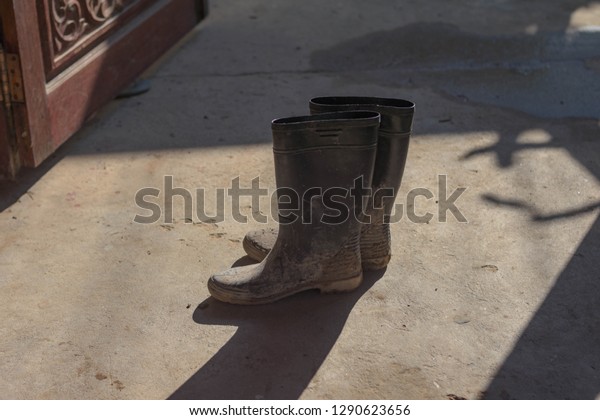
(556,356)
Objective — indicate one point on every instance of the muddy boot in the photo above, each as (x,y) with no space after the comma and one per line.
(392,148)
(317,162)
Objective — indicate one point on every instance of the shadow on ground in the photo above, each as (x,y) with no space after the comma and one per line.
(271,356)
(557,356)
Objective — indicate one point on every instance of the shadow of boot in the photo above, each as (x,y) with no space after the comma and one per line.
(277,348)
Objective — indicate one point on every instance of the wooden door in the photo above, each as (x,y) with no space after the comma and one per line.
(60,60)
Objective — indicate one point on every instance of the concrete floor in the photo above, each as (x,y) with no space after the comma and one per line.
(506,305)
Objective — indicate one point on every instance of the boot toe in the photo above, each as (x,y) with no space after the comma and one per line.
(232,278)
(233,285)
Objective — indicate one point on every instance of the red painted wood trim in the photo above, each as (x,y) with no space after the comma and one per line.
(79,91)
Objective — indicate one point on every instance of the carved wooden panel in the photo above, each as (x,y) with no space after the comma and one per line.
(97,46)
(70,28)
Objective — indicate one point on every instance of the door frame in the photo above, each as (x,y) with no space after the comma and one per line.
(51,112)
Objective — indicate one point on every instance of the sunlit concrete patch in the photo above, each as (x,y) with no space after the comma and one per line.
(586,15)
(527,261)
(534,137)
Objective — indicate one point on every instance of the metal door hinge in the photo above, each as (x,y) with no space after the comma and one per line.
(12,77)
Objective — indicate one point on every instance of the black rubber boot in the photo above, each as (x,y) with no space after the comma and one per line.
(392,148)
(318,160)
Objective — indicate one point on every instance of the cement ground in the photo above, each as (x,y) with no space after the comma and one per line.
(506,305)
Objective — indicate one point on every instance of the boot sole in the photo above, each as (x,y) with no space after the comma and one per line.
(337,286)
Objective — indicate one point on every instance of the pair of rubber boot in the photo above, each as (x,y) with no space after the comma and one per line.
(338,172)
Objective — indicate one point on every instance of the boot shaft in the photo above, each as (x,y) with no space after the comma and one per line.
(393,141)
(318,159)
